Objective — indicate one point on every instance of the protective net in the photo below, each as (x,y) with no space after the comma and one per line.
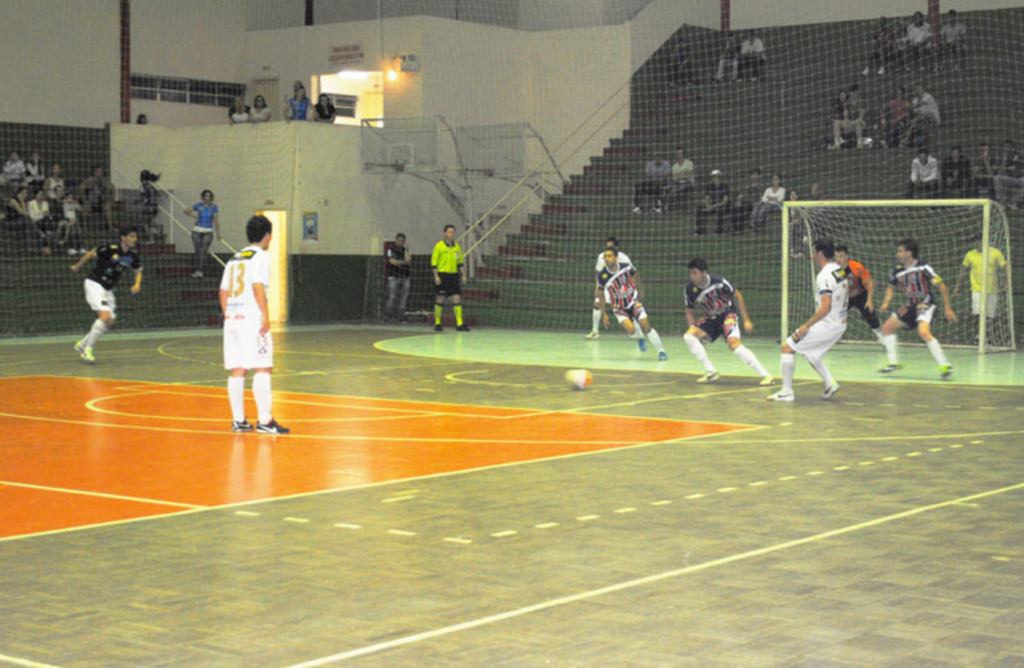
(948,235)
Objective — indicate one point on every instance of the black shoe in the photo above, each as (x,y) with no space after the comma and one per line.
(271,427)
(462,328)
(438,328)
(244,425)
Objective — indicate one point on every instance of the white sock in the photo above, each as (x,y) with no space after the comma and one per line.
(748,357)
(818,364)
(597,319)
(99,328)
(264,400)
(936,351)
(653,337)
(890,341)
(788,370)
(697,350)
(236,395)
(638,331)
(878,334)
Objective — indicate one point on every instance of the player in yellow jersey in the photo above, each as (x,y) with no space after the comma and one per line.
(449,273)
(973,263)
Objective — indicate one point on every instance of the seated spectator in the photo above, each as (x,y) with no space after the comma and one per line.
(895,119)
(239,112)
(39,214)
(16,220)
(98,193)
(984,173)
(954,40)
(54,181)
(852,120)
(260,112)
(296,107)
(771,200)
(658,171)
(325,111)
(682,179)
(142,119)
(682,65)
(752,58)
(924,118)
(919,43)
(743,211)
(69,228)
(716,203)
(924,176)
(1010,176)
(35,175)
(14,170)
(729,58)
(956,174)
(885,51)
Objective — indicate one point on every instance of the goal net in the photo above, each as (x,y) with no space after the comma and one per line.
(949,235)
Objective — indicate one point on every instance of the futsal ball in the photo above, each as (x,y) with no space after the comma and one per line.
(579,379)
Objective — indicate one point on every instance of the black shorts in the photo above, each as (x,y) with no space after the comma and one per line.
(724,324)
(450,285)
(912,316)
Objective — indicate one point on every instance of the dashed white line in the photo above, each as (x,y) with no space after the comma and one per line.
(726,490)
(401,532)
(787,477)
(297,520)
(587,518)
(695,496)
(504,534)
(623,511)
(664,502)
(343,525)
(545,525)
(246,513)
(459,540)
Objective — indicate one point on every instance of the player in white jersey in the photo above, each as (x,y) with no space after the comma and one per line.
(619,289)
(816,337)
(611,242)
(248,343)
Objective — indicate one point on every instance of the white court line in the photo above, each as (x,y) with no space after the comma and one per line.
(639,582)
(23,662)
(102,495)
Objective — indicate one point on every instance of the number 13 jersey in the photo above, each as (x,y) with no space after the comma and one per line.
(248,267)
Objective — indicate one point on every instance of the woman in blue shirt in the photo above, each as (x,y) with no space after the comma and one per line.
(297,107)
(207,225)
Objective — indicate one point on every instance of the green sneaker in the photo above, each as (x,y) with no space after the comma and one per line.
(947,371)
(80,346)
(88,356)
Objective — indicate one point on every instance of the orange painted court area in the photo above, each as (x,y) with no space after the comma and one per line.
(80,451)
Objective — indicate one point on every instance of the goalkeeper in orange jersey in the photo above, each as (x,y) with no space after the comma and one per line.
(862,288)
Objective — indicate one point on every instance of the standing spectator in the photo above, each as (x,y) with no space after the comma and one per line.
(296,107)
(98,191)
(658,171)
(69,228)
(984,172)
(771,200)
(752,57)
(954,40)
(885,48)
(748,199)
(260,112)
(399,266)
(1010,176)
(925,116)
(974,262)
(919,43)
(682,178)
(682,65)
(207,225)
(716,203)
(39,214)
(895,119)
(729,58)
(150,201)
(956,174)
(852,120)
(14,170)
(924,176)
(54,181)
(325,111)
(239,112)
(448,266)
(35,175)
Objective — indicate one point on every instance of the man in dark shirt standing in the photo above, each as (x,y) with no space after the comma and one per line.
(111,261)
(399,263)
(716,203)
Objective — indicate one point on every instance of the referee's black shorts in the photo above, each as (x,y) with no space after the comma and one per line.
(450,285)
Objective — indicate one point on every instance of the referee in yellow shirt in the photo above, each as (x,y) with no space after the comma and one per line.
(449,271)
(973,263)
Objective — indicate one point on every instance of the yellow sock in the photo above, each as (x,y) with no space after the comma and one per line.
(458,314)
(437,314)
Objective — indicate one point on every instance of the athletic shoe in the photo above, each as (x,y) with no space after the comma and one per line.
(271,427)
(80,346)
(881,71)
(708,378)
(438,328)
(72,252)
(642,345)
(593,334)
(197,274)
(662,356)
(889,368)
(867,71)
(947,371)
(88,356)
(781,396)
(244,425)
(831,391)
(637,209)
(766,380)
(462,328)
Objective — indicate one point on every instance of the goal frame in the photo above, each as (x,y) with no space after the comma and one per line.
(986,226)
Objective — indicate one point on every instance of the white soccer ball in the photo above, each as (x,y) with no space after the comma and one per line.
(579,379)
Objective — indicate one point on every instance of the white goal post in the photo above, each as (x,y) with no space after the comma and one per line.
(945,229)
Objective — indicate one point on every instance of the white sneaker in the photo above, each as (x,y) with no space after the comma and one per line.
(72,252)
(830,391)
(881,71)
(637,209)
(867,71)
(781,396)
(593,334)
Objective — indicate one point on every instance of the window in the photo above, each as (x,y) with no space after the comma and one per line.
(185,91)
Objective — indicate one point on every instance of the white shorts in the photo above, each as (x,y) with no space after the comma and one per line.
(819,340)
(635,312)
(991,304)
(99,298)
(245,348)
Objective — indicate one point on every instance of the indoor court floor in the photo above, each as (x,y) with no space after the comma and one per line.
(446,499)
